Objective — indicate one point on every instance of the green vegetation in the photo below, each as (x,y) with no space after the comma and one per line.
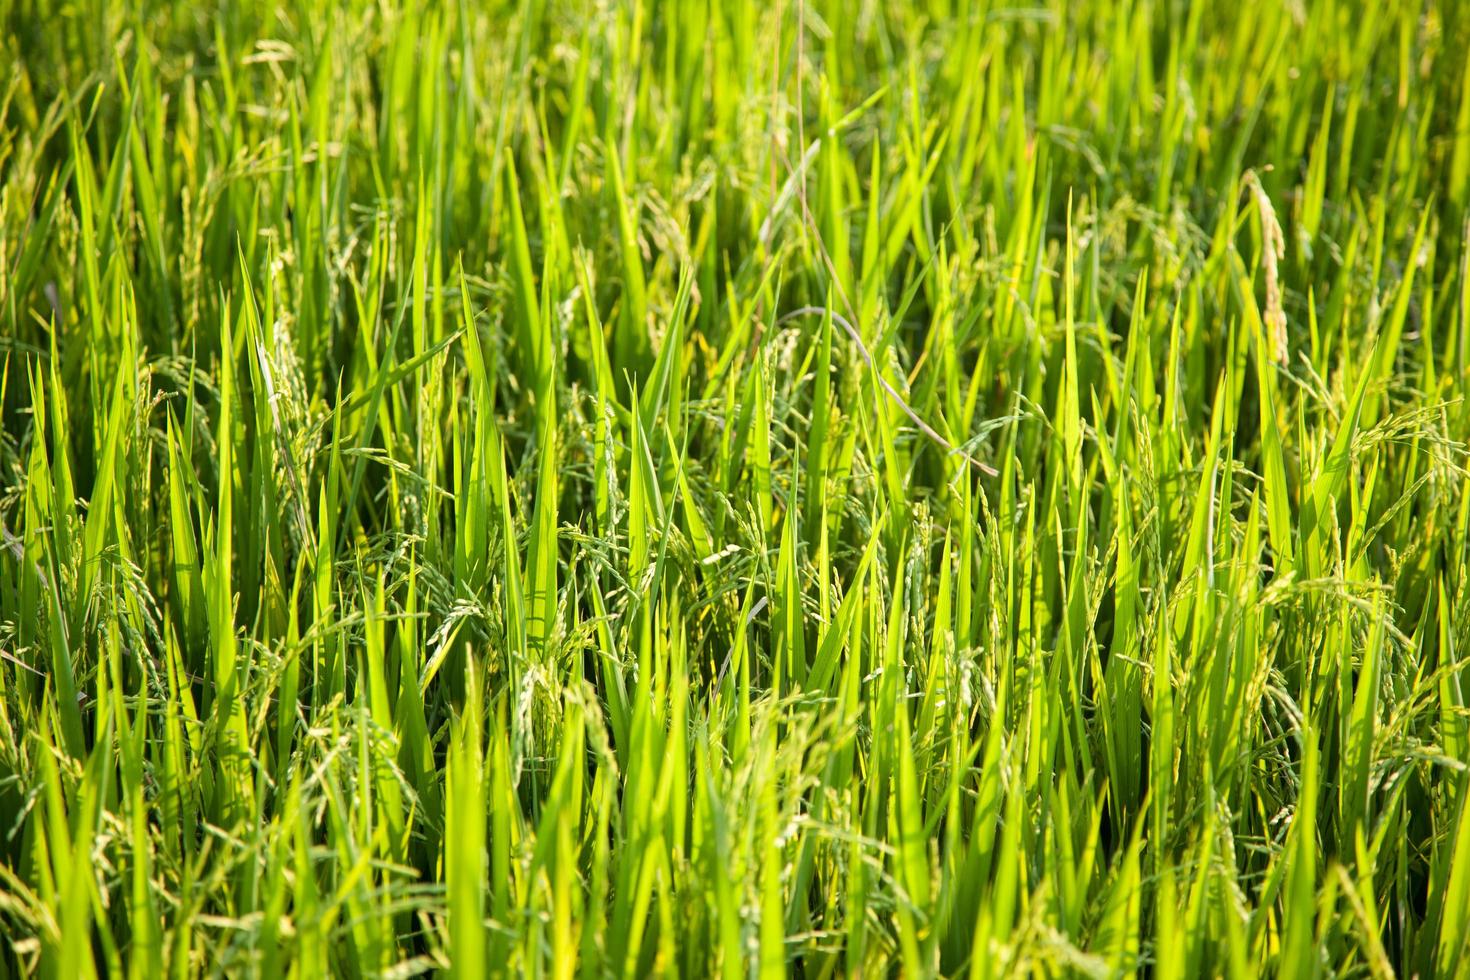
(814,488)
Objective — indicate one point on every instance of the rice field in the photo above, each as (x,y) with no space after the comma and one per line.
(826,488)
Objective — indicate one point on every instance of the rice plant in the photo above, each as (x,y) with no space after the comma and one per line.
(822,488)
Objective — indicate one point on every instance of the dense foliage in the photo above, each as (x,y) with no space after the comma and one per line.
(820,487)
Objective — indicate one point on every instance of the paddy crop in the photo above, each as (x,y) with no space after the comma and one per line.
(819,488)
